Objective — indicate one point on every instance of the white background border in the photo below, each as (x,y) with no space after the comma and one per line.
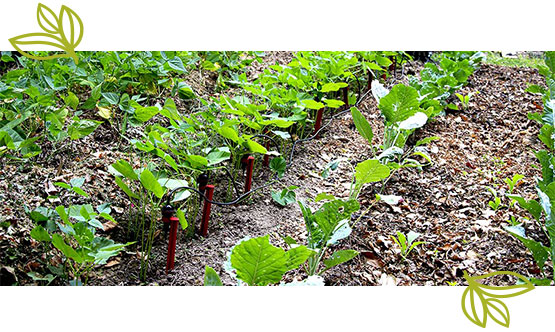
(278,25)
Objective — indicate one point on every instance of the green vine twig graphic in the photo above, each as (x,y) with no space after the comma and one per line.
(489,297)
(63,31)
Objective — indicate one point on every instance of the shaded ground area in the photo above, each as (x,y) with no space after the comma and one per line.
(446,202)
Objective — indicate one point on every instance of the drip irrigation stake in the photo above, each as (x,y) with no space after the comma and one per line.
(169,219)
(244,160)
(206,210)
(318,123)
(250,168)
(370,77)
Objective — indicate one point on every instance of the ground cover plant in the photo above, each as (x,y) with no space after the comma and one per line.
(322,164)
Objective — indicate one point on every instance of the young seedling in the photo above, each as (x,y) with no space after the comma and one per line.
(512,183)
(465,100)
(286,196)
(513,221)
(495,204)
(406,243)
(75,185)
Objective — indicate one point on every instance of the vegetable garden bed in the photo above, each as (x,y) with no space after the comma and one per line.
(439,193)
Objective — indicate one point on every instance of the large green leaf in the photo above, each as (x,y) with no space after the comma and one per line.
(400,103)
(255,147)
(258,263)
(532,206)
(177,64)
(125,169)
(151,184)
(339,257)
(69,252)
(328,87)
(229,133)
(125,188)
(211,278)
(197,161)
(369,171)
(144,114)
(539,251)
(329,218)
(81,128)
(312,104)
(40,234)
(182,219)
(362,125)
(297,256)
(550,61)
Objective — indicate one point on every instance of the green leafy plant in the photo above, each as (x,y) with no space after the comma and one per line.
(75,237)
(512,183)
(325,227)
(256,262)
(147,189)
(406,242)
(465,100)
(495,204)
(286,196)
(74,185)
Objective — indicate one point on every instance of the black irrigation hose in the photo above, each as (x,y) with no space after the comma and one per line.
(276,178)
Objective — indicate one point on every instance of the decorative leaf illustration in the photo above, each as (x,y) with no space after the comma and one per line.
(47,19)
(74,22)
(63,32)
(489,298)
(501,309)
(475,318)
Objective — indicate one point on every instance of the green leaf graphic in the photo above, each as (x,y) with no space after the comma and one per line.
(63,31)
(489,298)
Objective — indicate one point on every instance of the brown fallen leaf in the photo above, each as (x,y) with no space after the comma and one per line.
(109,225)
(113,262)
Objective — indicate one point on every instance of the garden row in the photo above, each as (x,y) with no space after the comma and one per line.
(49,103)
(541,210)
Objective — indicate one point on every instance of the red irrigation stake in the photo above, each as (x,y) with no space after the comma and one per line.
(266,161)
(206,210)
(250,168)
(346,96)
(169,218)
(318,123)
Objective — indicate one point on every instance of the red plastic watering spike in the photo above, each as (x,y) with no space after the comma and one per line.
(250,168)
(168,218)
(171,244)
(206,210)
(318,123)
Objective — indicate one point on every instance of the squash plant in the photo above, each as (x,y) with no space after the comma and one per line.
(256,262)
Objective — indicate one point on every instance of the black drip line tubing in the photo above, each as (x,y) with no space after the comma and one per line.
(276,178)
